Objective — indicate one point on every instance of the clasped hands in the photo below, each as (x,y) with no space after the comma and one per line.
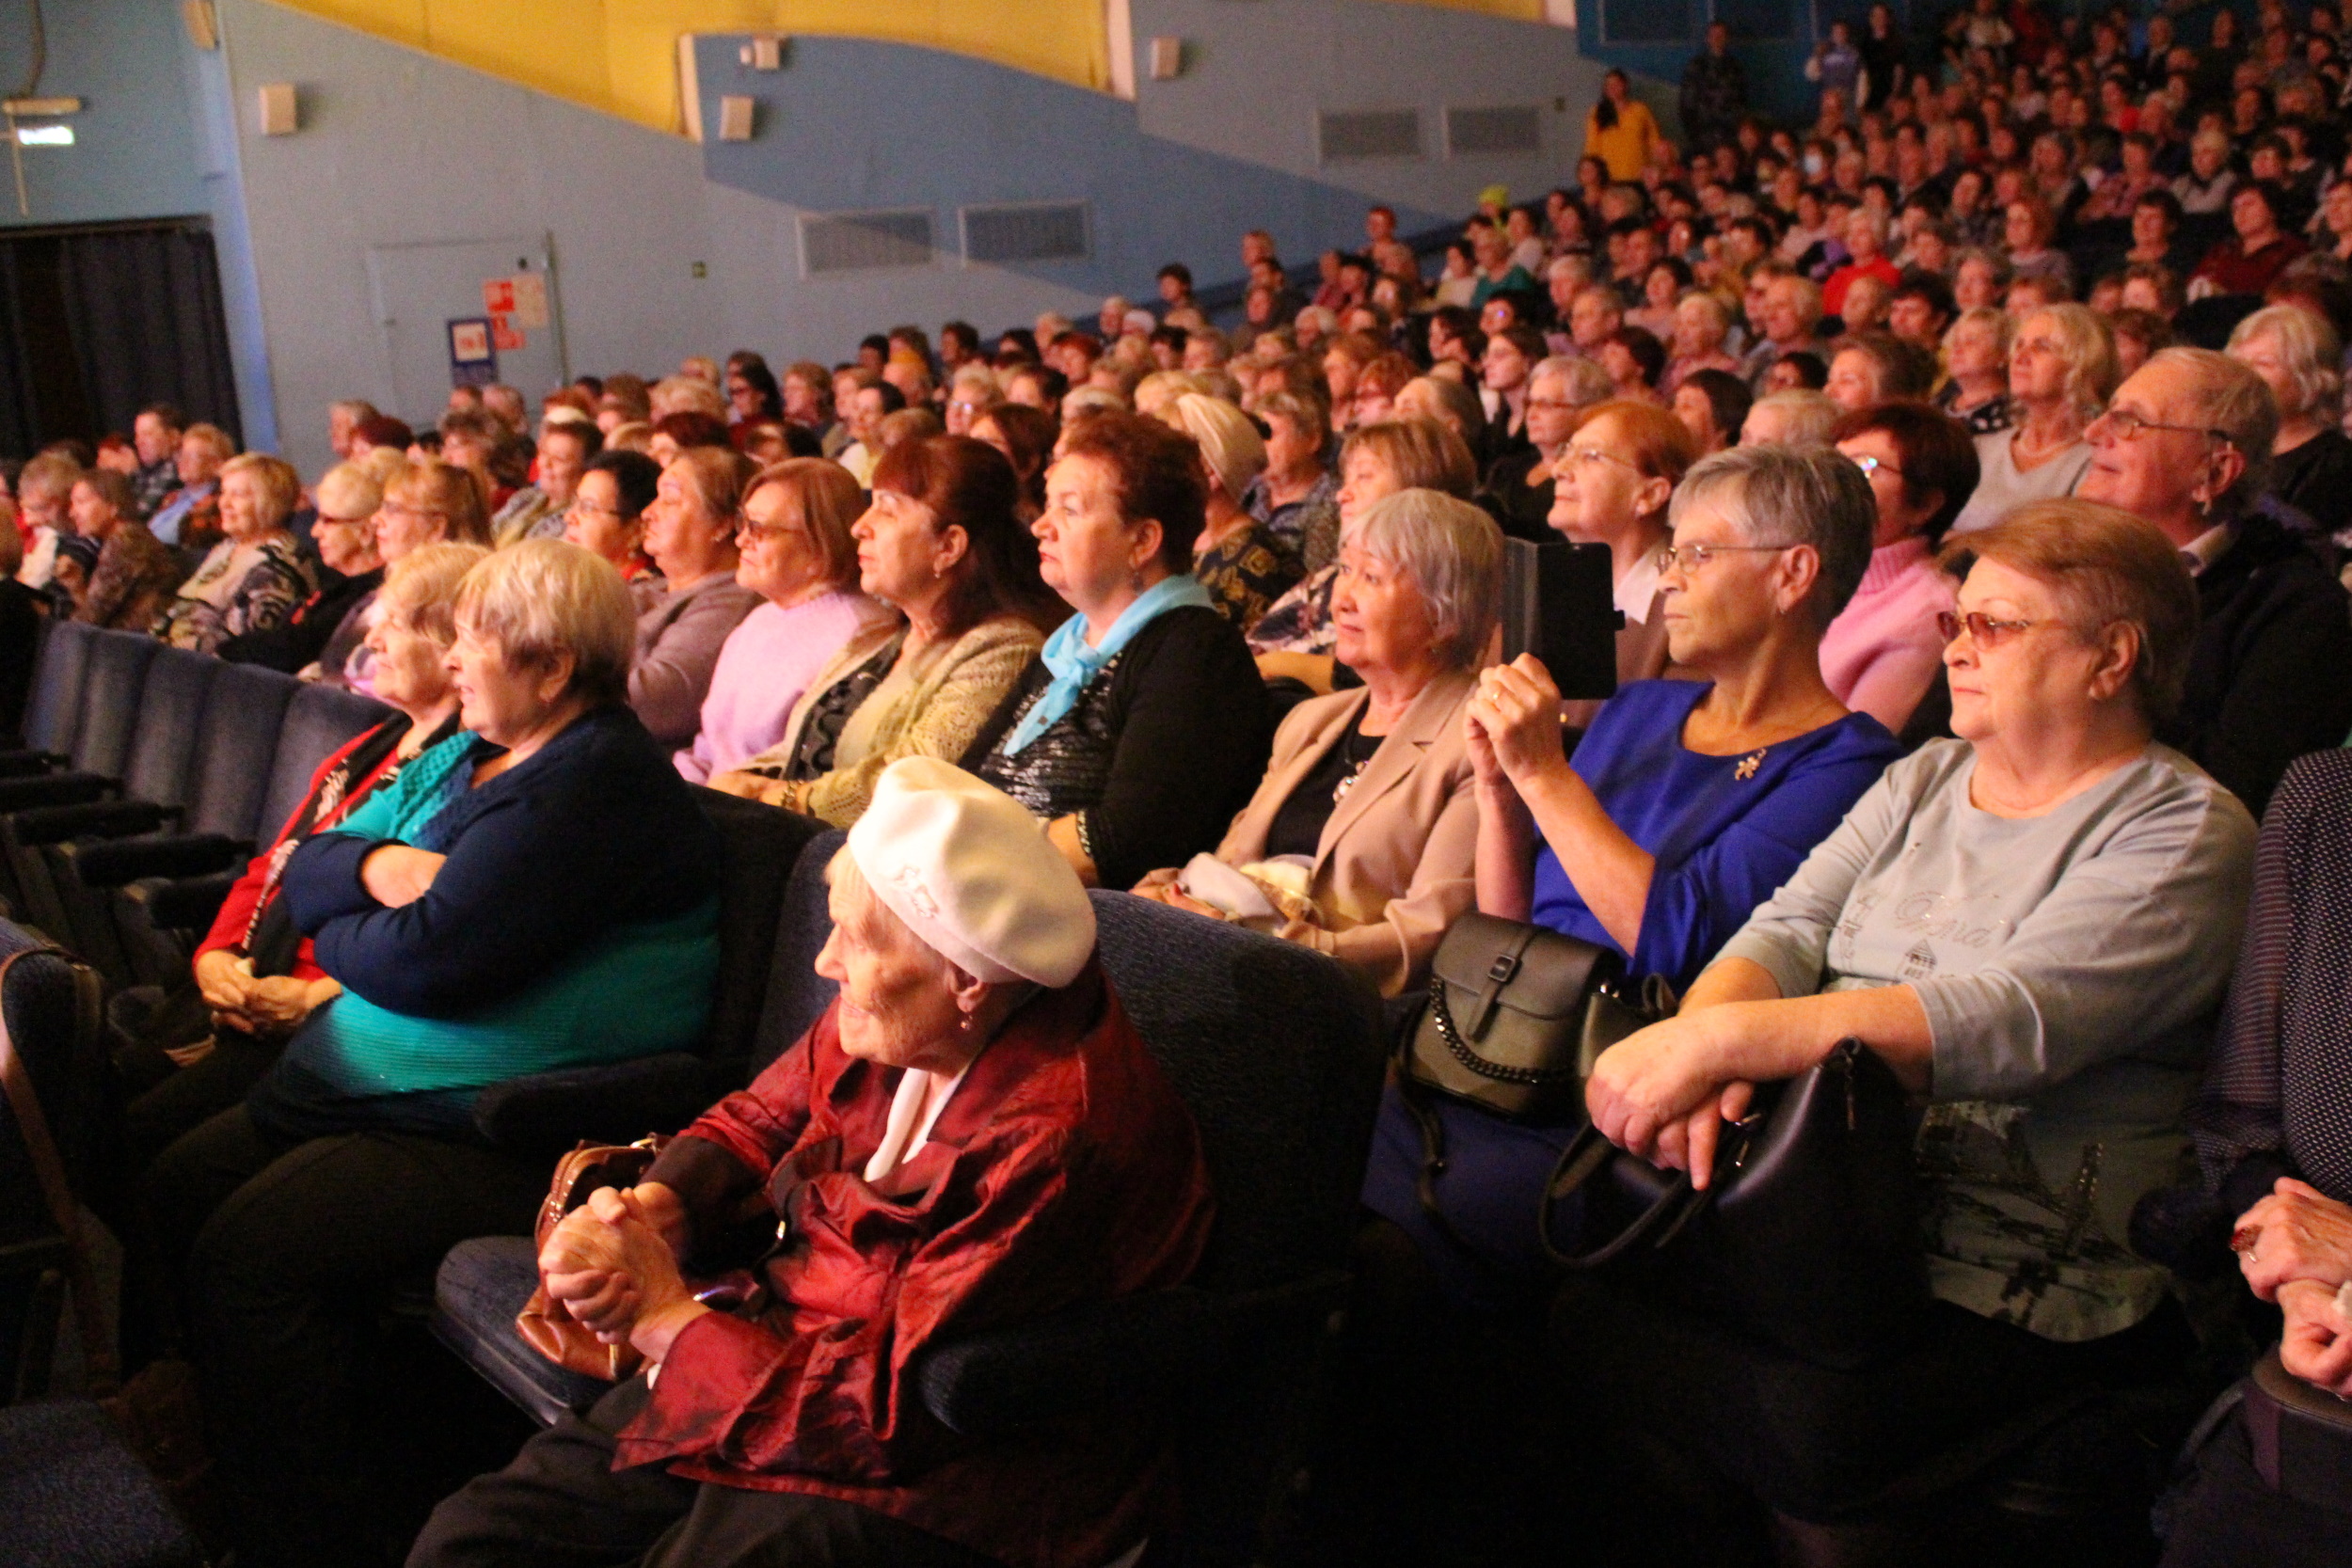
(2295,1248)
(612,1263)
(266,1006)
(1512,724)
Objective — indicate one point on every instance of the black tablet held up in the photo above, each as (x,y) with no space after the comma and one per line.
(1559,604)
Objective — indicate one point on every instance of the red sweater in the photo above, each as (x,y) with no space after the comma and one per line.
(1064,1170)
(243,902)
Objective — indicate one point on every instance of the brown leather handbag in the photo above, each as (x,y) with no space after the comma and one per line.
(544,1324)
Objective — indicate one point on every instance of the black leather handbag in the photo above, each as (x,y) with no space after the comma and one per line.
(1515,1018)
(1806,1237)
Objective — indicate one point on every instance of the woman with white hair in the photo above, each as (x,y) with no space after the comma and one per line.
(972,1138)
(1357,841)
(1242,563)
(1687,803)
(2298,355)
(539,891)
(2061,368)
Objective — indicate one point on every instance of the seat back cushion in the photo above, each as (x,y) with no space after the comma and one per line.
(233,751)
(171,715)
(320,722)
(110,700)
(763,845)
(53,715)
(797,994)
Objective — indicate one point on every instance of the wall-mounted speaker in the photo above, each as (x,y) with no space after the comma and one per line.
(735,119)
(202,25)
(1167,59)
(280,109)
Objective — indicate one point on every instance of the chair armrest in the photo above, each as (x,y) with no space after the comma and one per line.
(548,1112)
(185,904)
(55,790)
(30,764)
(1134,1354)
(91,819)
(117,862)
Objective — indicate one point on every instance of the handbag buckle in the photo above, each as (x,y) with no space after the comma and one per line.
(1504,966)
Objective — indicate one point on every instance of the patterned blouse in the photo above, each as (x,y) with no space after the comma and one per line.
(240,588)
(137,573)
(1300,621)
(1989,418)
(1246,572)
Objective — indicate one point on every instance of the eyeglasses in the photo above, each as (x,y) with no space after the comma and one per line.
(1690,557)
(1551,405)
(1587,456)
(1984,630)
(362,521)
(1875,465)
(748,530)
(2128,425)
(401,509)
(582,509)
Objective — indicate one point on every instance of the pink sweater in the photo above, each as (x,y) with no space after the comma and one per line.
(1880,655)
(765,663)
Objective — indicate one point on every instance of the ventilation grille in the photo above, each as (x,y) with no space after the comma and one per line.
(1029,232)
(1515,129)
(861,242)
(1370,134)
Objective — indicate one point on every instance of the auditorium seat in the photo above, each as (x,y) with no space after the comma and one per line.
(51,1005)
(1276,1050)
(52,713)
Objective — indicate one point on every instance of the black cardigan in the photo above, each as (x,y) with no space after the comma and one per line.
(1193,730)
(302,636)
(2271,674)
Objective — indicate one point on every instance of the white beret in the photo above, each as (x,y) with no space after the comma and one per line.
(973,874)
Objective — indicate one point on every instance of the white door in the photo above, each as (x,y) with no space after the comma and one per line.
(420,289)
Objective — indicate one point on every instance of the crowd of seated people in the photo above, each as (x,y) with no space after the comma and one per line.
(1972,464)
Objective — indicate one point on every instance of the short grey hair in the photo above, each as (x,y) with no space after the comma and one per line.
(1585,380)
(2231,399)
(1453,553)
(1792,495)
(2313,353)
(542,599)
(1810,414)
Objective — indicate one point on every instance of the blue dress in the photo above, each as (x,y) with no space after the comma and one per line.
(1725,832)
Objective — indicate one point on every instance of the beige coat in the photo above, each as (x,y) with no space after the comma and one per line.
(1393,867)
(937,717)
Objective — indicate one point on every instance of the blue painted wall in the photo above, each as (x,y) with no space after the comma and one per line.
(156,138)
(1181,172)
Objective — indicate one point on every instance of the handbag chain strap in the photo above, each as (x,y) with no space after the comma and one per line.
(1459,1049)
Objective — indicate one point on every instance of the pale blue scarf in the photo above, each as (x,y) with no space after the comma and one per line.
(1075,662)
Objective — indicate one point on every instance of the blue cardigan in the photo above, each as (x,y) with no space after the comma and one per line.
(574,921)
(1724,844)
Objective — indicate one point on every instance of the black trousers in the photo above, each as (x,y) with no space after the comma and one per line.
(561,1505)
(286,1252)
(2230,1518)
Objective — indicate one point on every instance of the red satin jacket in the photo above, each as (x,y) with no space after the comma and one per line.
(1064,1170)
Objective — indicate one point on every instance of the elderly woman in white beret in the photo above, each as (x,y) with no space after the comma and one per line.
(973,1133)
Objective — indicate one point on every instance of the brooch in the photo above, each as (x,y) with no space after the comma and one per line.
(1748,765)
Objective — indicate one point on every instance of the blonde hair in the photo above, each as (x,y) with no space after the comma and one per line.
(542,599)
(2088,346)
(1419,455)
(213,437)
(686,394)
(51,472)
(383,464)
(422,588)
(432,485)
(1980,315)
(716,475)
(1229,444)
(276,487)
(349,493)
